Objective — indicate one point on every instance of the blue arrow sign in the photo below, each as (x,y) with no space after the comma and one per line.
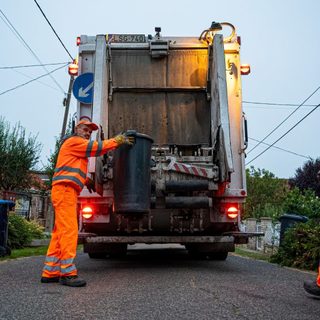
(83,88)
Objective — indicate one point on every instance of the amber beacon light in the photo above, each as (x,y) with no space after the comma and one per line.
(73,69)
(245,69)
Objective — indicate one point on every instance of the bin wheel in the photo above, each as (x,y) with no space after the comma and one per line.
(3,251)
(8,249)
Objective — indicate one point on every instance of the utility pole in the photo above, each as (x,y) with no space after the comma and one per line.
(66,103)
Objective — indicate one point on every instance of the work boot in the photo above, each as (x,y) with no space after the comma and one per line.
(49,280)
(72,281)
(312,288)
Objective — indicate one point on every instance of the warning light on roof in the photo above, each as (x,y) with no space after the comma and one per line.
(245,69)
(73,68)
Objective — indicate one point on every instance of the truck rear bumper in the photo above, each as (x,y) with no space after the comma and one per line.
(157,239)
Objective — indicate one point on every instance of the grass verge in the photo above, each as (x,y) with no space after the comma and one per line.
(26,252)
(252,254)
(30,251)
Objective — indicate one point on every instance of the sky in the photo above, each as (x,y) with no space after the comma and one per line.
(279,39)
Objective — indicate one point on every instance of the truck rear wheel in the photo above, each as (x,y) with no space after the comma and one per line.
(102,250)
(97,255)
(206,251)
(218,256)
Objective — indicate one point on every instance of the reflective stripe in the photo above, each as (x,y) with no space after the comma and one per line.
(70,169)
(68,270)
(51,259)
(99,149)
(51,268)
(74,179)
(89,149)
(67,261)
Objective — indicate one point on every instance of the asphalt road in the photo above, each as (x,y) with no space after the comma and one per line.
(158,284)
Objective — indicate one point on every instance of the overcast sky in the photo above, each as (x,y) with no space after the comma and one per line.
(280,40)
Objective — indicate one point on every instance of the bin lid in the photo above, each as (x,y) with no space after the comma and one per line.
(294,217)
(10,203)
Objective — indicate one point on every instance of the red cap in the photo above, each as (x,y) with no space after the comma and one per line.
(91,125)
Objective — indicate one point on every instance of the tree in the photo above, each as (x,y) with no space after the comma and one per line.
(266,193)
(19,154)
(306,177)
(304,203)
(52,160)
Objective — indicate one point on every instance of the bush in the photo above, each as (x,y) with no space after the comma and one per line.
(300,247)
(304,203)
(21,232)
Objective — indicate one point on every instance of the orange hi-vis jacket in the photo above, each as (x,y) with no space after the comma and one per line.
(68,181)
(72,162)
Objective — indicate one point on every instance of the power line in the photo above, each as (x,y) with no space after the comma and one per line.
(295,110)
(23,84)
(53,29)
(277,104)
(17,34)
(34,65)
(43,83)
(285,150)
(261,153)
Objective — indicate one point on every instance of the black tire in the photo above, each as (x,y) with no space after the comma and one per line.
(3,251)
(8,251)
(196,254)
(218,256)
(97,255)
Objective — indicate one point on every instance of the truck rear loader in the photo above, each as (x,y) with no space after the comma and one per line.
(183,181)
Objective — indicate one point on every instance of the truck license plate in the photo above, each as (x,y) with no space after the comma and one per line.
(127,38)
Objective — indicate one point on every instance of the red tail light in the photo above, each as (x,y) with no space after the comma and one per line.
(78,41)
(232,212)
(87,212)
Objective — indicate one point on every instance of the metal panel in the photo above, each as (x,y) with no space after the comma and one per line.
(135,68)
(187,68)
(168,116)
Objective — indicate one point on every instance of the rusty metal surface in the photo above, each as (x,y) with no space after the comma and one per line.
(168,117)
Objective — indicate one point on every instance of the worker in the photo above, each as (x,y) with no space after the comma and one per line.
(313,286)
(70,176)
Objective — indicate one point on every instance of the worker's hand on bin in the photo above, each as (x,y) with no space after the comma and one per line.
(124,139)
(90,185)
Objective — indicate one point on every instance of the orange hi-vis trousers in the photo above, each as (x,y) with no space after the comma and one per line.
(63,245)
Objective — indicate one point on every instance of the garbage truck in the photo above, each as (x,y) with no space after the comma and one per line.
(183,181)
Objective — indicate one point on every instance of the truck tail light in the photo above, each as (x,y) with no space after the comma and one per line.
(232,212)
(87,212)
(78,41)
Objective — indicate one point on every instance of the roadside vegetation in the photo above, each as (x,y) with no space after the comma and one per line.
(269,196)
(19,154)
(21,231)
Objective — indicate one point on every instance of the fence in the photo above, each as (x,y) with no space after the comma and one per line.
(268,243)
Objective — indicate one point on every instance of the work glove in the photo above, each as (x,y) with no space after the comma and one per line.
(123,139)
(90,185)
